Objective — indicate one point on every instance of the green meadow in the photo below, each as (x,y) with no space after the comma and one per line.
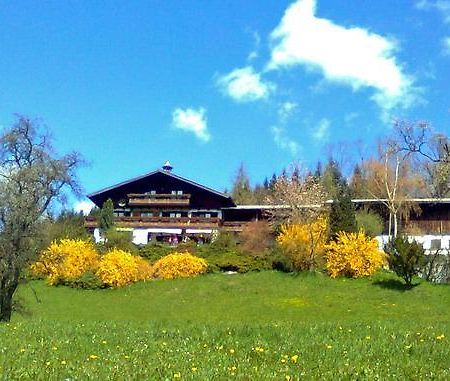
(255,326)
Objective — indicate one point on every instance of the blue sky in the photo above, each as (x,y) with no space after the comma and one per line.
(210,84)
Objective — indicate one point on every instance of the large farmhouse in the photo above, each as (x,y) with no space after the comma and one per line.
(162,206)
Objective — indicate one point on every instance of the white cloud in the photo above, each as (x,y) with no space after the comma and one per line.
(84,206)
(350,117)
(257,42)
(245,85)
(283,141)
(286,109)
(352,56)
(442,6)
(446,46)
(192,120)
(321,131)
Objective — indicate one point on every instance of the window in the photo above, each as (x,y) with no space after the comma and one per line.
(152,192)
(435,244)
(174,192)
(146,214)
(172,215)
(207,215)
(180,192)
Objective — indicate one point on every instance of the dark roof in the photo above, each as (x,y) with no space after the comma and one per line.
(154,173)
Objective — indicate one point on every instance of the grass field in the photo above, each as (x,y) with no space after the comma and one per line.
(255,326)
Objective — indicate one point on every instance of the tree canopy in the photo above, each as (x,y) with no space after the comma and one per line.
(32,179)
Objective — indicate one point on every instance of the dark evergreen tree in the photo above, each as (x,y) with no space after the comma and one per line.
(358,184)
(331,178)
(106,216)
(318,171)
(242,193)
(342,212)
(272,181)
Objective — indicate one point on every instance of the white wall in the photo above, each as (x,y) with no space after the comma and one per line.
(425,240)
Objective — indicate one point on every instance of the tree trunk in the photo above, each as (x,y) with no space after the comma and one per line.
(7,288)
(395,224)
(390,226)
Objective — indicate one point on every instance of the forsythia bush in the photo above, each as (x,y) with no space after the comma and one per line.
(304,244)
(353,255)
(118,268)
(179,265)
(66,260)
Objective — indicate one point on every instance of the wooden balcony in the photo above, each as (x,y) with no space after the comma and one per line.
(142,222)
(138,199)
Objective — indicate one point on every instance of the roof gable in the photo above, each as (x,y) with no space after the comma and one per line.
(131,186)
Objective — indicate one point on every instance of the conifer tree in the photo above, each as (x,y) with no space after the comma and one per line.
(242,193)
(342,212)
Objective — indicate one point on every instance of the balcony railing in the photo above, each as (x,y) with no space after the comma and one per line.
(158,221)
(138,199)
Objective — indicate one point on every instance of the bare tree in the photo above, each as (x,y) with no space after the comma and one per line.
(392,180)
(297,198)
(32,178)
(419,138)
(429,150)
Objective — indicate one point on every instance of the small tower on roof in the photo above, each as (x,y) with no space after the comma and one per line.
(167,166)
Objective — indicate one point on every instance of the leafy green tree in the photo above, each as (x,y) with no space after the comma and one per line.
(32,179)
(242,193)
(405,258)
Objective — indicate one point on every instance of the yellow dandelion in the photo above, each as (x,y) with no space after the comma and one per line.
(63,362)
(55,348)
(104,342)
(93,357)
(22,350)
(294,359)
(367,337)
(177,375)
(440,337)
(231,350)
(329,346)
(47,363)
(194,369)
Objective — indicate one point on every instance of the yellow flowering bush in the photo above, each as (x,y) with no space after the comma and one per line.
(354,255)
(304,244)
(179,265)
(66,260)
(118,268)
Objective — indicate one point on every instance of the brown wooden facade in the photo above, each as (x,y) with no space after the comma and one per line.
(163,202)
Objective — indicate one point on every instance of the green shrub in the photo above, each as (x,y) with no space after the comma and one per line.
(86,281)
(154,251)
(405,258)
(370,222)
(231,260)
(224,241)
(116,239)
